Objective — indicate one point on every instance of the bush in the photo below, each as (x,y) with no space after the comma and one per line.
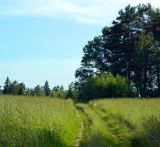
(105,86)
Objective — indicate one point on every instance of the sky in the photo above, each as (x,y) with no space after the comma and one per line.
(43,39)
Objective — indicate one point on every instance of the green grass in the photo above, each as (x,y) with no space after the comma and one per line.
(37,122)
(47,122)
(121,123)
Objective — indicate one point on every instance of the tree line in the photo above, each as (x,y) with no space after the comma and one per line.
(130,48)
(15,88)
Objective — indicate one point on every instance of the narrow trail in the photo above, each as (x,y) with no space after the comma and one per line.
(99,128)
(81,130)
(88,138)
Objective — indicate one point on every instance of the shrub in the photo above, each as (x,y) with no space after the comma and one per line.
(105,86)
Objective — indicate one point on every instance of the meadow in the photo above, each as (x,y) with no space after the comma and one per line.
(51,122)
(121,123)
(37,122)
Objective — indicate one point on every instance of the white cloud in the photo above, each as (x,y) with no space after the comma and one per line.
(83,11)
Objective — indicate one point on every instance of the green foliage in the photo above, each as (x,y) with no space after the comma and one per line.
(47,89)
(145,54)
(39,91)
(37,122)
(13,88)
(6,89)
(73,91)
(58,92)
(29,92)
(21,89)
(105,85)
(130,48)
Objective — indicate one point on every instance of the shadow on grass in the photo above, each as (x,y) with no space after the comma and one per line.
(98,141)
(50,139)
(119,119)
(41,138)
(150,136)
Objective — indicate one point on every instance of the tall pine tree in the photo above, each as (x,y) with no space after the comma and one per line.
(7,85)
(47,89)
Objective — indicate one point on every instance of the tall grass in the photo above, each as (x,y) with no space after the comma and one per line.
(36,122)
(134,120)
(95,132)
(47,122)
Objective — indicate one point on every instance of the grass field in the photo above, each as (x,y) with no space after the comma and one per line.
(47,122)
(37,122)
(121,123)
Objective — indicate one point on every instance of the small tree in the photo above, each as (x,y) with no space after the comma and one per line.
(37,91)
(72,91)
(14,88)
(21,89)
(1,91)
(47,89)
(58,92)
(7,84)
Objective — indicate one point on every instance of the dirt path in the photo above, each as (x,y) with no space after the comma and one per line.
(100,129)
(81,130)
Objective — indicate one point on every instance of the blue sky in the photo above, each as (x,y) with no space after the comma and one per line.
(43,39)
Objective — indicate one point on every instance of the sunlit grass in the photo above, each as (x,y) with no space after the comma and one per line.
(121,123)
(36,122)
(47,122)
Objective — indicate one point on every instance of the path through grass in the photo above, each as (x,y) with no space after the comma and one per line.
(47,122)
(121,123)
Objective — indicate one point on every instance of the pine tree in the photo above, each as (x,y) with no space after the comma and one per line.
(47,89)
(37,91)
(144,66)
(128,48)
(21,89)
(14,88)
(7,85)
